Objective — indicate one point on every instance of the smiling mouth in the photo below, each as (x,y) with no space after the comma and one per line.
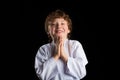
(59,31)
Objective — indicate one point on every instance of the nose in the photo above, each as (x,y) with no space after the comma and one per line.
(58,26)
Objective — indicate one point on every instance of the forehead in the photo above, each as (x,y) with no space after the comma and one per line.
(59,20)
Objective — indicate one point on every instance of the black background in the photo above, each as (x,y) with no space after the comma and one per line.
(27,35)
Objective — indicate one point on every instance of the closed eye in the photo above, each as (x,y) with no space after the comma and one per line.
(53,24)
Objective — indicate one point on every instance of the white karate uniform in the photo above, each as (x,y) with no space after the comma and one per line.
(47,68)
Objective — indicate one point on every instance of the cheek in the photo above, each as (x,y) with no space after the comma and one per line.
(67,30)
(51,30)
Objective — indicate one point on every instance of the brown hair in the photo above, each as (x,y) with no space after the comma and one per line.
(58,14)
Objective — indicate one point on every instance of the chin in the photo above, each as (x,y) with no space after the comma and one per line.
(59,35)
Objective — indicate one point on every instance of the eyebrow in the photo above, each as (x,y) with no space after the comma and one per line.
(60,21)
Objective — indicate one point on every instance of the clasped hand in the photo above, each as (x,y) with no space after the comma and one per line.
(59,49)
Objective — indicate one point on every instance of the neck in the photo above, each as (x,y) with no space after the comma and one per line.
(64,39)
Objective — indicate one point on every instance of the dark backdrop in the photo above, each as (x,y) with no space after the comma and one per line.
(31,35)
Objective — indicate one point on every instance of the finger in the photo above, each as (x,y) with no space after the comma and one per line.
(56,40)
(59,40)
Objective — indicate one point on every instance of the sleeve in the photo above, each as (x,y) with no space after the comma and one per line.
(76,65)
(46,68)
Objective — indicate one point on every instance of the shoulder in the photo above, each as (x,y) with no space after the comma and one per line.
(43,51)
(74,42)
(45,47)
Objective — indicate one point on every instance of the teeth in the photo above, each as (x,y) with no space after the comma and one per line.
(59,30)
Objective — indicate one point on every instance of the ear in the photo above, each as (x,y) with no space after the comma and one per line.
(68,31)
(48,33)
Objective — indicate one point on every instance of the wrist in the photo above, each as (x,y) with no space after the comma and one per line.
(65,58)
(56,57)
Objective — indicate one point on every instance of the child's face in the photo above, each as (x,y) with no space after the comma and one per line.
(58,28)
